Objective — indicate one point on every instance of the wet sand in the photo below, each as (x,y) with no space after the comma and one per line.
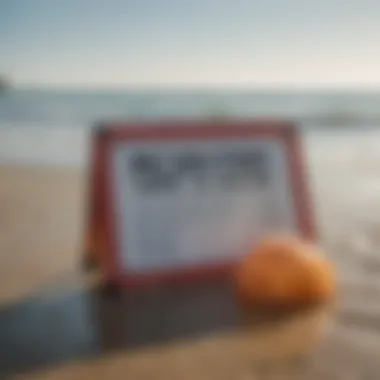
(41,225)
(295,349)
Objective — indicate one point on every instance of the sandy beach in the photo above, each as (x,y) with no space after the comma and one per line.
(41,242)
(41,221)
(42,213)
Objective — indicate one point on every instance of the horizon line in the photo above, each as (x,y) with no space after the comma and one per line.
(189,88)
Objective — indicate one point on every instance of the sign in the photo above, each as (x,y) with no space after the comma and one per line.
(184,200)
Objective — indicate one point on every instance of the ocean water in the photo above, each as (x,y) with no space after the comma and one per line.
(51,127)
(341,135)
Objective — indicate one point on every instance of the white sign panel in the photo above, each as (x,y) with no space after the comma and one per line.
(186,203)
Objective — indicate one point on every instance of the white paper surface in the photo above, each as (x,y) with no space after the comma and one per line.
(173,211)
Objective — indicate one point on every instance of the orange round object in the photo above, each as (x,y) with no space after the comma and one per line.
(284,270)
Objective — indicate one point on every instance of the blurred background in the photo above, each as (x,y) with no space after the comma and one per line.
(65,65)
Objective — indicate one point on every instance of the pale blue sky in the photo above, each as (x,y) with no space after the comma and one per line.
(282,43)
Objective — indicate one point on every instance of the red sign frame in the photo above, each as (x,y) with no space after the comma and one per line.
(101,244)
